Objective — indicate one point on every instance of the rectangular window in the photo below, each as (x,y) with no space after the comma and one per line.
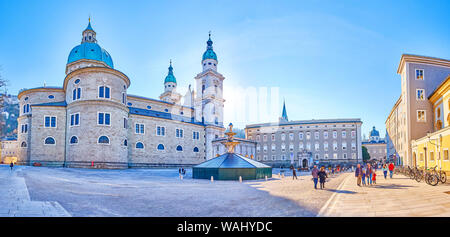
(353,134)
(24,128)
(125,123)
(421,116)
(104,119)
(419,74)
(196,135)
(300,136)
(334,134)
(316,135)
(179,133)
(420,93)
(50,122)
(445,154)
(344,134)
(75,119)
(431,155)
(325,135)
(308,135)
(104,92)
(140,128)
(160,131)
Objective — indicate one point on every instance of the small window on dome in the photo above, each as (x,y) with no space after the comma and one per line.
(51,96)
(214,64)
(181,113)
(166,110)
(26,98)
(209,63)
(92,50)
(130,104)
(149,107)
(77,81)
(204,64)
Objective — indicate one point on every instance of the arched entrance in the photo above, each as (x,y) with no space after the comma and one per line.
(305,163)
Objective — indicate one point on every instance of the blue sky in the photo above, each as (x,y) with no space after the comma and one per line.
(329,59)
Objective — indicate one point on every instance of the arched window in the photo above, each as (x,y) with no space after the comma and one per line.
(50,141)
(24,144)
(438,125)
(139,145)
(179,148)
(439,112)
(103,140)
(195,149)
(125,143)
(161,147)
(74,140)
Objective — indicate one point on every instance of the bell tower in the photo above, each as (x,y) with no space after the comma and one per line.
(209,102)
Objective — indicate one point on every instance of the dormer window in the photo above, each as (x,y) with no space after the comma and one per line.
(209,63)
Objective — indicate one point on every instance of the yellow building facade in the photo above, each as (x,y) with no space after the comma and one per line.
(433,149)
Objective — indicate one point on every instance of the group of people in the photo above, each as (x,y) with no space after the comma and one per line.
(368,172)
(181,171)
(319,176)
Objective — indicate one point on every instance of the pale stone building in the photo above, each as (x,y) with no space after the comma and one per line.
(8,150)
(412,116)
(304,143)
(92,121)
(376,146)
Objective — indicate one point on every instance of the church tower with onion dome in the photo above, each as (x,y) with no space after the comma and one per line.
(209,102)
(170,88)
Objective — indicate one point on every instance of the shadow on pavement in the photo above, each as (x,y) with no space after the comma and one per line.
(341,191)
(391,186)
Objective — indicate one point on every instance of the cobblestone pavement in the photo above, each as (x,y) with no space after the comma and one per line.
(397,197)
(15,200)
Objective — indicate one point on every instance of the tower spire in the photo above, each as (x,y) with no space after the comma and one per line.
(284,116)
(89,33)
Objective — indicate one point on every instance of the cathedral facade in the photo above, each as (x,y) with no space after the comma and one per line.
(91,121)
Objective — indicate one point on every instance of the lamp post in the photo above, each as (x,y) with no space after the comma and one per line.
(438,145)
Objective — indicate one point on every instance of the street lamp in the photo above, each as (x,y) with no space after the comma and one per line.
(438,147)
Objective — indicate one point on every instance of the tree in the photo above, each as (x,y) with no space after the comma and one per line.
(365,154)
(3,84)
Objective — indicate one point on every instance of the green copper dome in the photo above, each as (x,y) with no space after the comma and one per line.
(170,77)
(209,54)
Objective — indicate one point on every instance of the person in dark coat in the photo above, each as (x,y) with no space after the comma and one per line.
(358,174)
(322,177)
(11,165)
(294,173)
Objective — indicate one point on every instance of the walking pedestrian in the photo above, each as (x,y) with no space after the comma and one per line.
(358,174)
(11,165)
(315,175)
(374,177)
(391,169)
(294,174)
(385,170)
(322,177)
(369,172)
(363,176)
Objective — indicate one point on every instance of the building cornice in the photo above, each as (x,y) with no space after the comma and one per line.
(212,72)
(440,90)
(39,89)
(96,69)
(144,99)
(411,58)
(393,108)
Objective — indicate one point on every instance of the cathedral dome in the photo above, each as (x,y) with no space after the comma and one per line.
(89,50)
(374,133)
(209,53)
